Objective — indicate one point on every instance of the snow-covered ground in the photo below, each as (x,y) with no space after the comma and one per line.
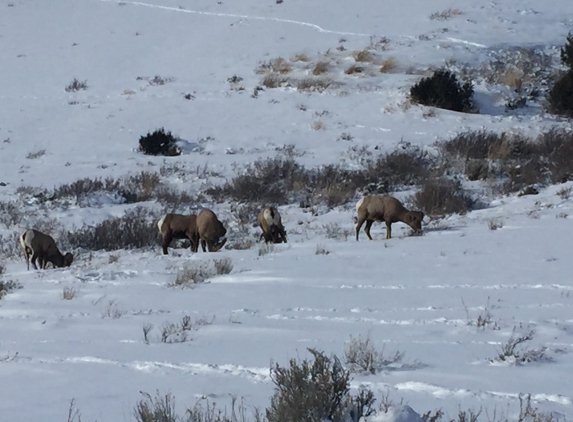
(418,295)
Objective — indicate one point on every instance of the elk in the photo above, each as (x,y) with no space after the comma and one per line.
(42,247)
(210,231)
(388,209)
(270,221)
(177,226)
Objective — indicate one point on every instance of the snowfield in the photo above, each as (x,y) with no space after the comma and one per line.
(448,300)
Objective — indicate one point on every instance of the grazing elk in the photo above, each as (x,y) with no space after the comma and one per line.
(177,226)
(270,221)
(42,247)
(210,231)
(388,209)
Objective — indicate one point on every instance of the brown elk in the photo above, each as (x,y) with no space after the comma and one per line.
(177,226)
(388,209)
(210,231)
(42,247)
(270,221)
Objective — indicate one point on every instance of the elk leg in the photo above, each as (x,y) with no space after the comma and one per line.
(34,257)
(359,224)
(166,242)
(388,230)
(367,228)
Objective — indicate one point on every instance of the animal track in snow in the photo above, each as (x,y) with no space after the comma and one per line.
(237,16)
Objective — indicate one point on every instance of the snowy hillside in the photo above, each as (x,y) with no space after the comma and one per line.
(439,307)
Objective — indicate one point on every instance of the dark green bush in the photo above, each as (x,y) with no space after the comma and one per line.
(561,96)
(567,52)
(443,90)
(159,142)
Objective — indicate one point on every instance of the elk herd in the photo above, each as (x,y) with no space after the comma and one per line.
(206,229)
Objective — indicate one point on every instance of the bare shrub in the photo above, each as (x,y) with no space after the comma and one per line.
(564,193)
(442,196)
(484,318)
(76,85)
(2,269)
(321,250)
(241,244)
(320,68)
(361,355)
(73,412)
(515,351)
(8,287)
(481,144)
(180,332)
(265,181)
(141,186)
(146,330)
(10,246)
(332,230)
(113,258)
(135,229)
(405,166)
(245,214)
(112,310)
(10,213)
(318,84)
(223,266)
(334,185)
(445,14)
(314,391)
(37,154)
(528,412)
(82,188)
(160,408)
(192,274)
(69,293)
(543,162)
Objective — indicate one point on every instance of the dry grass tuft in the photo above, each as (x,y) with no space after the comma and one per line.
(364,56)
(274,80)
(512,77)
(278,65)
(317,125)
(388,65)
(299,57)
(320,68)
(69,293)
